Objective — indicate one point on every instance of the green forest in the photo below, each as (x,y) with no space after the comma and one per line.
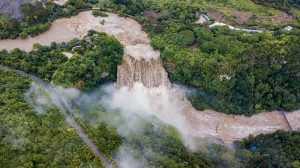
(279,149)
(98,61)
(97,64)
(28,139)
(285,5)
(234,73)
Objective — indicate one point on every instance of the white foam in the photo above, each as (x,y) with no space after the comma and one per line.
(139,51)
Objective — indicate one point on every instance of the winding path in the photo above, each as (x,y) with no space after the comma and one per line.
(61,106)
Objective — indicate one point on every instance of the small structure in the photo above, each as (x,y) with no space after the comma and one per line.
(67,54)
(206,17)
(203,18)
(253,148)
(225,77)
(288,28)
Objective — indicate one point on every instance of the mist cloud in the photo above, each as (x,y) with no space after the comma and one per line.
(129,110)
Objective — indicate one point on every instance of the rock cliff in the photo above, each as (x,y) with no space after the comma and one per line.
(147,70)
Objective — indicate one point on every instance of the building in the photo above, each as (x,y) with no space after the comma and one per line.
(203,18)
(206,17)
(288,28)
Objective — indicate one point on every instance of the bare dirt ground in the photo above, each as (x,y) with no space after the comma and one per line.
(284,18)
(240,17)
(217,15)
(202,123)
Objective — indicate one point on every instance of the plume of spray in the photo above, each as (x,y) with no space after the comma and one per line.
(60,100)
(145,103)
(128,110)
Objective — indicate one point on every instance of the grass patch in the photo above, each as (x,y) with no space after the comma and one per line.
(244,6)
(99,13)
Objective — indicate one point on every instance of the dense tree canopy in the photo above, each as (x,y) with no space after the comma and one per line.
(279,149)
(37,17)
(233,72)
(42,63)
(96,65)
(92,63)
(279,4)
(29,139)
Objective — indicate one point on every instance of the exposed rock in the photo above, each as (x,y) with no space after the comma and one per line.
(148,72)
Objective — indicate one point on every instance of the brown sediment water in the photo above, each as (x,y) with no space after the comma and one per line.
(142,71)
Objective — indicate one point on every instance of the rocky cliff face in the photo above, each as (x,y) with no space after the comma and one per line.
(148,72)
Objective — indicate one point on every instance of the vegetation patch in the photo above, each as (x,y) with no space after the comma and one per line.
(279,149)
(29,139)
(93,64)
(284,5)
(234,72)
(243,6)
(99,13)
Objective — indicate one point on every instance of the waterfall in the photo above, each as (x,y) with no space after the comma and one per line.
(149,71)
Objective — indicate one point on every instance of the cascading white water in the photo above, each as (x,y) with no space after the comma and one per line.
(148,72)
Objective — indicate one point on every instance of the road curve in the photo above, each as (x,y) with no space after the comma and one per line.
(61,106)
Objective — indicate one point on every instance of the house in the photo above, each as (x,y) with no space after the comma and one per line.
(288,28)
(206,17)
(203,18)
